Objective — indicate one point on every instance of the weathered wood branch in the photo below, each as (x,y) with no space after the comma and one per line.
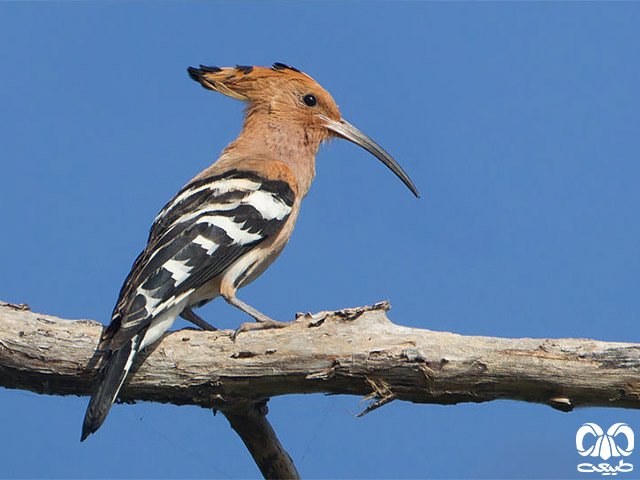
(255,431)
(355,351)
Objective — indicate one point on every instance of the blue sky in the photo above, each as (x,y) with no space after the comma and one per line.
(518,122)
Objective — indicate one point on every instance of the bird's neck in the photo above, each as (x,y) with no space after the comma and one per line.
(285,141)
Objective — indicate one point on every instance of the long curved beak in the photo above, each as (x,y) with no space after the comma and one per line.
(347,131)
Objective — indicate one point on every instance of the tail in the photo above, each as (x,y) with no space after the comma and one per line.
(109,382)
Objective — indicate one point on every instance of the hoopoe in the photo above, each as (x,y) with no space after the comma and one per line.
(230,222)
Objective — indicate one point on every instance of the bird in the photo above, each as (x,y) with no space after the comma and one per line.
(231,221)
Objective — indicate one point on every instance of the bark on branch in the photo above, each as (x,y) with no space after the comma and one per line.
(355,351)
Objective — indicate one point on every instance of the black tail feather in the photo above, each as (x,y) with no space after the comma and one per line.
(109,382)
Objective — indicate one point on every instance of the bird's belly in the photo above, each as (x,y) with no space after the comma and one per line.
(259,267)
(205,293)
(249,267)
(254,263)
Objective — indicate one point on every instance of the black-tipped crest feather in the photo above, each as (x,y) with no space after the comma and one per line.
(209,69)
(284,66)
(245,69)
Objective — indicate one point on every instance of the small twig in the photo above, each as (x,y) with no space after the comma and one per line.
(382,392)
(375,405)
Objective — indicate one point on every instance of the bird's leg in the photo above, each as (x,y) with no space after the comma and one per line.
(263,322)
(248,309)
(194,318)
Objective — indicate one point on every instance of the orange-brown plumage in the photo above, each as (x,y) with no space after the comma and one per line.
(278,124)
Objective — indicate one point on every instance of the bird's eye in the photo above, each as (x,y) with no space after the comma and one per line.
(309,100)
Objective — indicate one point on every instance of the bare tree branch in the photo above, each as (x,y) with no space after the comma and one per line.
(355,351)
(251,424)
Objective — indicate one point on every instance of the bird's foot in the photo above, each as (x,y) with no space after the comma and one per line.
(261,324)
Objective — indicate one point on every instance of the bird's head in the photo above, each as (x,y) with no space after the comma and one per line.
(288,95)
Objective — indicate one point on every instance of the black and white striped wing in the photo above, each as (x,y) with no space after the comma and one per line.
(208,225)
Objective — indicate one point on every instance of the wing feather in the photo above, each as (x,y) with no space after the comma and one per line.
(204,229)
